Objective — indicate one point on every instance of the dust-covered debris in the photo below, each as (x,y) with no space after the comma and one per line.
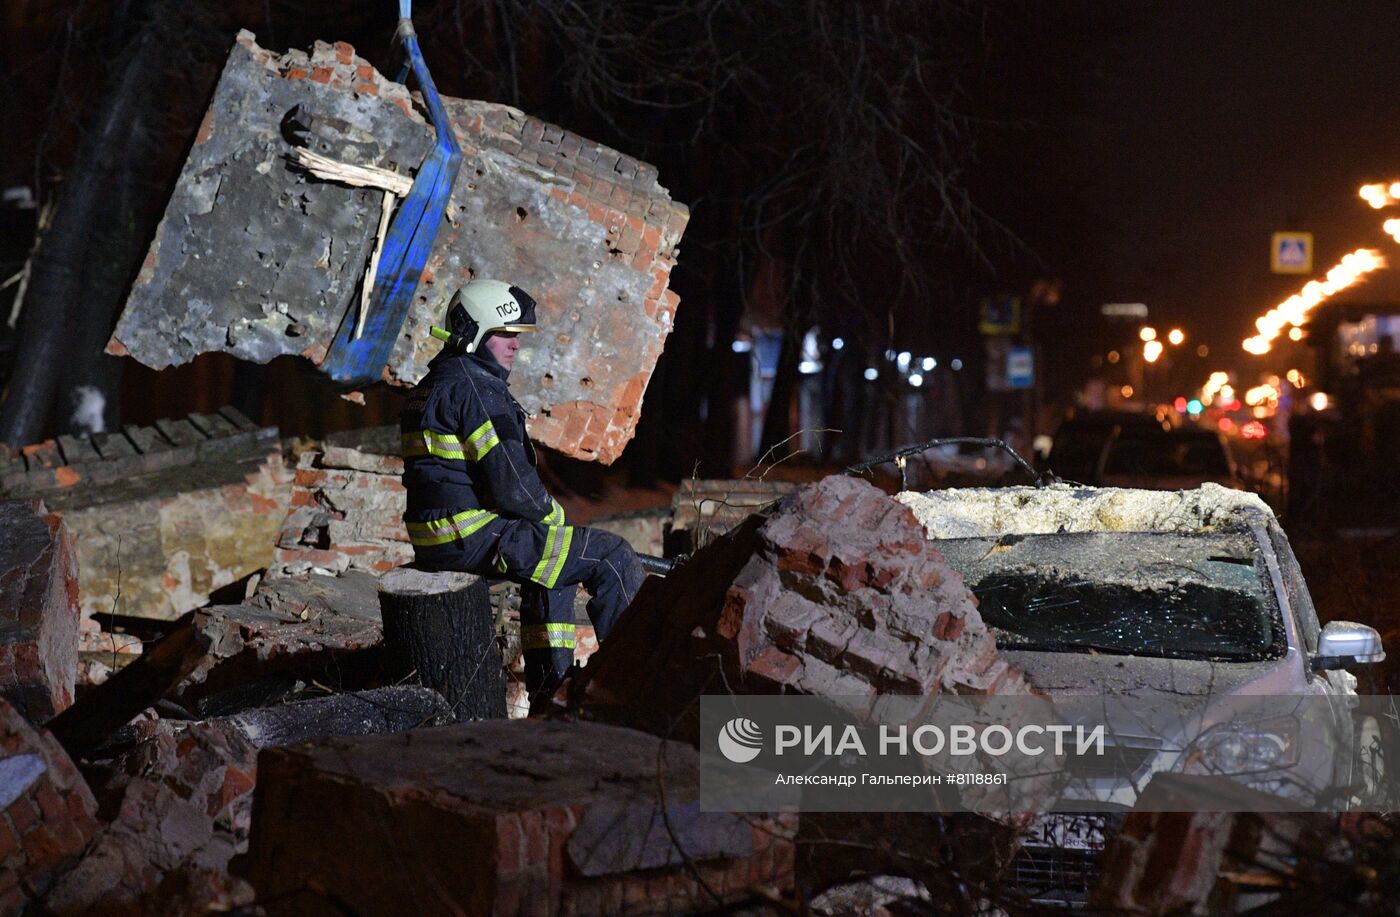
(836,593)
(181,799)
(974,512)
(47,812)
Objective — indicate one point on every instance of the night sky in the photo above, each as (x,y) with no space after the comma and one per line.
(1150,149)
(1140,151)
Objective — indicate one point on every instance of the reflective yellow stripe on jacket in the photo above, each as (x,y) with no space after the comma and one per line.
(444,445)
(453,528)
(556,550)
(556,513)
(547,636)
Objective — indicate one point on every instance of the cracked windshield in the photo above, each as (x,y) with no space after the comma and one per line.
(1136,593)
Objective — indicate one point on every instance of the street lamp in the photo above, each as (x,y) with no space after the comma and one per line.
(1176,336)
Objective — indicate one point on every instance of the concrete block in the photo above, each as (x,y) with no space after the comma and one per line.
(38,609)
(545,817)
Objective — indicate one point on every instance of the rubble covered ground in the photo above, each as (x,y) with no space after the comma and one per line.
(221,767)
(178,769)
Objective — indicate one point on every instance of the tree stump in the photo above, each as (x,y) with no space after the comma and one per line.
(439,631)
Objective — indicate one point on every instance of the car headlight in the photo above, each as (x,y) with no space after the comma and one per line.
(1244,748)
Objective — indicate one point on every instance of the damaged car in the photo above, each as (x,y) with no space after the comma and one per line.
(1191,596)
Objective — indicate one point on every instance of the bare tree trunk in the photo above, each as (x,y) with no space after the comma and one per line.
(66,307)
(777,420)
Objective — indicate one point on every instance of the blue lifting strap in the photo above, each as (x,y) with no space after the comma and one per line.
(408,242)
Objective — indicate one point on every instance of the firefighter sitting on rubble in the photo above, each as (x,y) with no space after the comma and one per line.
(475,500)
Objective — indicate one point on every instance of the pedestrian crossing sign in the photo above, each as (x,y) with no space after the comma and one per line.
(1291,253)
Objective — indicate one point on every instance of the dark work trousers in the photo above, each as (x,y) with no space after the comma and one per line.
(549,563)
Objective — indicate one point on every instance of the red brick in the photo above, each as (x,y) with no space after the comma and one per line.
(536,839)
(50,803)
(367,89)
(309,477)
(629,240)
(206,129)
(43,846)
(22,815)
(510,845)
(948,627)
(775,666)
(344,52)
(321,75)
(78,806)
(8,842)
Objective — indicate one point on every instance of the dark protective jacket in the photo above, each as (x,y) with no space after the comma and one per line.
(465,446)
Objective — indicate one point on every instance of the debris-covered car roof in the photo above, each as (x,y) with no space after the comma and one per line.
(983,511)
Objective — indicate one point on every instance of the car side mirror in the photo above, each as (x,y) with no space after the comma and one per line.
(1346,643)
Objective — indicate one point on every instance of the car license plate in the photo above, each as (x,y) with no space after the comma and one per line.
(1070,832)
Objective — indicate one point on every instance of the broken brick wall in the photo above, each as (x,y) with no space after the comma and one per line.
(347,507)
(47,812)
(1170,859)
(162,515)
(179,803)
(38,609)
(585,229)
(836,592)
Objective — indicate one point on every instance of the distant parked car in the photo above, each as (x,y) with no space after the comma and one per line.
(1168,460)
(1077,449)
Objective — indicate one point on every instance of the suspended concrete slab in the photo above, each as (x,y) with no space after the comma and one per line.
(258,258)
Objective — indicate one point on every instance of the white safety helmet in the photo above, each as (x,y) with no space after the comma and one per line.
(481,307)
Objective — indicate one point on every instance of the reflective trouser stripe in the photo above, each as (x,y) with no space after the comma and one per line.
(556,551)
(547,636)
(430,442)
(453,528)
